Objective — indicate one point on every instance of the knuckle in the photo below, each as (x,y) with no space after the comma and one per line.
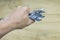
(19,6)
(25,8)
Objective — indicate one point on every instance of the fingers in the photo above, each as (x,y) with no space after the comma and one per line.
(24,9)
(19,7)
(31,21)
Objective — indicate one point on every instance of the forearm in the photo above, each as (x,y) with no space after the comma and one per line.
(5,27)
(16,20)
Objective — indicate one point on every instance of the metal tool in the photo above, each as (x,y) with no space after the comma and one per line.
(37,14)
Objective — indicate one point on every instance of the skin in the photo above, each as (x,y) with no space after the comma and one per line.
(18,19)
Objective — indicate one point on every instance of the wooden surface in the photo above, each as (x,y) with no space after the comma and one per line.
(47,29)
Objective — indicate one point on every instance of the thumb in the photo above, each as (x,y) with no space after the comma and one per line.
(30,21)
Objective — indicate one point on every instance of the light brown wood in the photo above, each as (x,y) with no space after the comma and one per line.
(47,29)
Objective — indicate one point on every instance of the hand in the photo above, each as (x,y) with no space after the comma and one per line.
(19,18)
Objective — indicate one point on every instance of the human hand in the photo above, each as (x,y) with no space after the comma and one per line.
(19,18)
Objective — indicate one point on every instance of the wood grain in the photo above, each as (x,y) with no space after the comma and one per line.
(47,29)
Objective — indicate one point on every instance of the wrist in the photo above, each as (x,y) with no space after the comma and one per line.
(5,27)
(7,24)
